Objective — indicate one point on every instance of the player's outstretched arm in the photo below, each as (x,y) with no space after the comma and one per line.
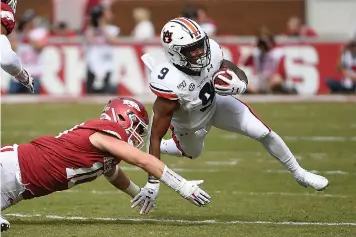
(190,190)
(117,177)
(10,63)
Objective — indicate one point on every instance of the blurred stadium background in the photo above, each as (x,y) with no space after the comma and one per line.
(285,46)
(82,54)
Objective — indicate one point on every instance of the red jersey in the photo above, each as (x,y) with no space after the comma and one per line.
(49,164)
(7,17)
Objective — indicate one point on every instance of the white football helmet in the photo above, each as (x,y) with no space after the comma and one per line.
(11,3)
(186,44)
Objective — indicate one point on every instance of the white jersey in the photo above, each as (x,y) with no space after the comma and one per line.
(196,94)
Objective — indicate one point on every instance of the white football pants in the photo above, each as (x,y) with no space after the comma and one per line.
(231,114)
(11,186)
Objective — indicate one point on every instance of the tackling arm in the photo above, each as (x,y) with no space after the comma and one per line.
(121,181)
(123,151)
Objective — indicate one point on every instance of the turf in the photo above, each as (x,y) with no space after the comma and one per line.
(246,184)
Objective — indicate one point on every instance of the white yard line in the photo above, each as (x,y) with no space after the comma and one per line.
(315,195)
(218,163)
(235,222)
(134,168)
(299,138)
(318,195)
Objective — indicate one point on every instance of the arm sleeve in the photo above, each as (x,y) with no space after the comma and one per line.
(8,58)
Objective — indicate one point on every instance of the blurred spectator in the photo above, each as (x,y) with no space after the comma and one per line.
(206,23)
(144,28)
(61,30)
(95,3)
(29,42)
(264,31)
(267,63)
(99,53)
(296,29)
(190,12)
(90,5)
(347,66)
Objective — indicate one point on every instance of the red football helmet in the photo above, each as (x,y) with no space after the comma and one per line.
(11,3)
(131,115)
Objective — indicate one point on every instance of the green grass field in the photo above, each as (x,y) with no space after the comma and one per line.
(251,193)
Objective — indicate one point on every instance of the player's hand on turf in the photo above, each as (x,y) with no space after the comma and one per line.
(146,198)
(233,86)
(26,80)
(192,192)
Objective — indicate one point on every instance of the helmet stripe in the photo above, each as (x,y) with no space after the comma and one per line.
(194,24)
(191,27)
(184,26)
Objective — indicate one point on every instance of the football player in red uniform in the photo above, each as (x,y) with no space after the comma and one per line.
(9,60)
(81,154)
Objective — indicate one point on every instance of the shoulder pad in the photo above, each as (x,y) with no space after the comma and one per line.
(106,126)
(164,80)
(217,55)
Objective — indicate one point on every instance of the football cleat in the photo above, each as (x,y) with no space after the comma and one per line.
(306,178)
(5,225)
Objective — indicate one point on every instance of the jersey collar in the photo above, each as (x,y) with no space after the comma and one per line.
(187,70)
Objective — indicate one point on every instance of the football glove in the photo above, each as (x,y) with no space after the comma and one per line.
(193,193)
(233,86)
(26,80)
(146,198)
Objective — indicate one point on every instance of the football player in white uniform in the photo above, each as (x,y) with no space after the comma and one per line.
(189,103)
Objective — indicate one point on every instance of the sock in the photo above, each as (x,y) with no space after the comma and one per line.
(279,150)
(169,147)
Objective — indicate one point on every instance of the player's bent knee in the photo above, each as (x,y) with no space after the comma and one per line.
(193,154)
(265,135)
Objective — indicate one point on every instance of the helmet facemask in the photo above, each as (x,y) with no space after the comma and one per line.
(12,4)
(137,130)
(134,126)
(195,56)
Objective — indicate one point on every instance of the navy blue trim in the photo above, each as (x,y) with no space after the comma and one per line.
(158,89)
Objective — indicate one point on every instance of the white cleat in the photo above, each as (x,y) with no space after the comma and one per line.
(5,225)
(306,178)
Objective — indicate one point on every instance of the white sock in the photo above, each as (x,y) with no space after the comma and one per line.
(169,147)
(279,150)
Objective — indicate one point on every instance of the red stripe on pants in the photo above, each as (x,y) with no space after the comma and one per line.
(254,113)
(6,148)
(175,139)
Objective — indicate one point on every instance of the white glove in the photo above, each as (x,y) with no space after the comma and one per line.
(146,198)
(26,80)
(192,192)
(187,189)
(233,87)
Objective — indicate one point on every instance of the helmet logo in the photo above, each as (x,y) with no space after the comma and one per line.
(132,104)
(167,36)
